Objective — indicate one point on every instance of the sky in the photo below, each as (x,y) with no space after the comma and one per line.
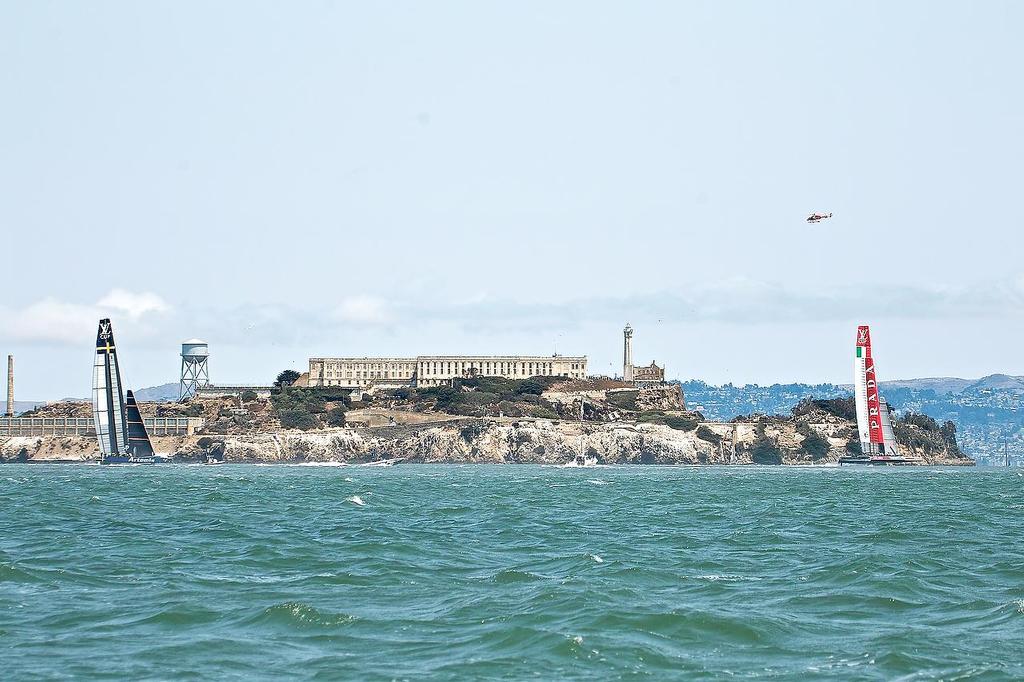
(287,180)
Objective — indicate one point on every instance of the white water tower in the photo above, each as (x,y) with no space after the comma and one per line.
(195,373)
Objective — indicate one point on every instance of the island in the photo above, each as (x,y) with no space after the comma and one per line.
(540,420)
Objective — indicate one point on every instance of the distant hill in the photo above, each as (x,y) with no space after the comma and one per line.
(22,406)
(955,385)
(1000,382)
(164,393)
(940,385)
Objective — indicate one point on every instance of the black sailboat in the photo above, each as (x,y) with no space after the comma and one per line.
(120,430)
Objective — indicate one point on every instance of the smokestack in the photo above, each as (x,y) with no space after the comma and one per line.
(10,385)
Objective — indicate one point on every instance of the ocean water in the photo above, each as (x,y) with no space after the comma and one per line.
(510,572)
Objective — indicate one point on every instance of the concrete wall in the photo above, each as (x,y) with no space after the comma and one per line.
(71,426)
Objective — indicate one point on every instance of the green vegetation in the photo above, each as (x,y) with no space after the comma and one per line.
(213,448)
(813,444)
(248,396)
(21,457)
(765,450)
(309,408)
(445,398)
(920,420)
(844,408)
(335,416)
(948,431)
(625,400)
(678,422)
(489,396)
(927,434)
(297,419)
(533,385)
(541,412)
(510,409)
(706,434)
(472,431)
(286,378)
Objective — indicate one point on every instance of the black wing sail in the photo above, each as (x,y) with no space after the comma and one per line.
(108,411)
(139,444)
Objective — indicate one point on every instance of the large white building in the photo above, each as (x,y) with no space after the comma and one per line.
(437,370)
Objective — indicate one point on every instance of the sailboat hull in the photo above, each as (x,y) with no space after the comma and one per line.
(879,460)
(127,459)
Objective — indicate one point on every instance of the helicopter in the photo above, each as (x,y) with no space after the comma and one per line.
(817,217)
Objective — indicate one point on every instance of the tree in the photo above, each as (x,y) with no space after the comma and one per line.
(814,445)
(298,419)
(922,421)
(706,434)
(844,408)
(287,378)
(681,422)
(765,452)
(248,396)
(948,431)
(531,385)
(336,416)
(446,398)
(764,449)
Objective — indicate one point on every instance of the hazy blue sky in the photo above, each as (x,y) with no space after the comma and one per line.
(295,179)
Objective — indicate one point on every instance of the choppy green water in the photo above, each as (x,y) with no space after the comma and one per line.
(510,572)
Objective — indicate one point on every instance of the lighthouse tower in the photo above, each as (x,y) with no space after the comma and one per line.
(627,354)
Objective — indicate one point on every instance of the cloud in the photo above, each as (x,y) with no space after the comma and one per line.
(739,301)
(364,310)
(736,301)
(52,321)
(133,305)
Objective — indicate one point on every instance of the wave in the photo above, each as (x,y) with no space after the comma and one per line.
(301,615)
(510,575)
(490,572)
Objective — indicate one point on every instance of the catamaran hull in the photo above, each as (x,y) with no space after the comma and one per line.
(134,460)
(878,461)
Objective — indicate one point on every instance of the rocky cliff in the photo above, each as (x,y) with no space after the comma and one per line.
(509,441)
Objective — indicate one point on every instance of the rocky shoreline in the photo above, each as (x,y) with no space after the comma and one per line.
(505,422)
(499,441)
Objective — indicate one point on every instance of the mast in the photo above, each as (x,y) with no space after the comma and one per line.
(107,399)
(869,409)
